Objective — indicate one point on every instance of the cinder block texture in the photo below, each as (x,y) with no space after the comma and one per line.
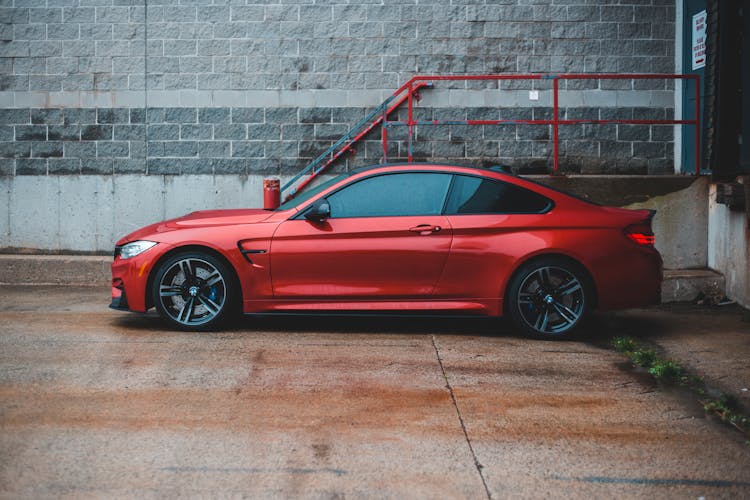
(243,89)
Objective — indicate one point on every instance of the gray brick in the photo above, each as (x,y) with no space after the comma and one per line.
(6,33)
(235,132)
(79,116)
(248,115)
(314,115)
(30,32)
(129,165)
(79,149)
(31,132)
(35,166)
(14,49)
(78,49)
(46,149)
(112,115)
(111,14)
(281,149)
(181,149)
(282,13)
(213,13)
(196,132)
(229,64)
(325,131)
(7,167)
(620,14)
(163,132)
(47,116)
(248,149)
(179,47)
(15,116)
(196,31)
(80,15)
(112,149)
(213,115)
(193,64)
(297,132)
(249,13)
(53,15)
(14,16)
(281,115)
(263,132)
(213,149)
(64,133)
(126,132)
(180,115)
(95,64)
(97,166)
(96,132)
(18,83)
(230,30)
(62,31)
(213,81)
(112,48)
(64,166)
(15,149)
(7,133)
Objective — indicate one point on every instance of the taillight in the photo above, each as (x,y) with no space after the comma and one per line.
(641,234)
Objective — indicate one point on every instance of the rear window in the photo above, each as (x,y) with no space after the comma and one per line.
(477,195)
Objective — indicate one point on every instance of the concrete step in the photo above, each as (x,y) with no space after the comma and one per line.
(55,269)
(685,285)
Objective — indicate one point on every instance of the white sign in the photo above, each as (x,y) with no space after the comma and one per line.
(699,40)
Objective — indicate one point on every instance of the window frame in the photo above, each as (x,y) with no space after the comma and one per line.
(443,211)
(301,214)
(547,209)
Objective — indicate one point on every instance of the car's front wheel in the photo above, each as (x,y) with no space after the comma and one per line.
(193,291)
(548,298)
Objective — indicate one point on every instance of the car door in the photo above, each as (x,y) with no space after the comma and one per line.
(493,223)
(385,239)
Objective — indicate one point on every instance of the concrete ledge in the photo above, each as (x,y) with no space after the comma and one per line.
(55,270)
(684,285)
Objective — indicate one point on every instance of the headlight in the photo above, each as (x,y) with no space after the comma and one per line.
(135,248)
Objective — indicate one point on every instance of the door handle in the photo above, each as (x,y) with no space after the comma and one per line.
(425,229)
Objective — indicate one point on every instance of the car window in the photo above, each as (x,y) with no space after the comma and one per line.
(476,195)
(411,193)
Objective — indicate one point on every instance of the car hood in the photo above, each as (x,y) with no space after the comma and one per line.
(202,218)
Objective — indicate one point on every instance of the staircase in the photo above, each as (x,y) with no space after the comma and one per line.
(346,143)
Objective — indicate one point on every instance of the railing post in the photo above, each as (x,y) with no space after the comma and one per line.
(555,125)
(410,126)
(384,134)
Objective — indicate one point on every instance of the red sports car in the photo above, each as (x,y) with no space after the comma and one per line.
(410,238)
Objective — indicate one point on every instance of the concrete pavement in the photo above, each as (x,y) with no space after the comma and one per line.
(96,402)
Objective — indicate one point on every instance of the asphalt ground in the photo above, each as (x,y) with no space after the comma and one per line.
(100,403)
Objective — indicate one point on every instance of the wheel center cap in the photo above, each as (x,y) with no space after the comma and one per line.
(193,291)
(549,299)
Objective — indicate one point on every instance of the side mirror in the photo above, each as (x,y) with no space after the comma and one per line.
(320,211)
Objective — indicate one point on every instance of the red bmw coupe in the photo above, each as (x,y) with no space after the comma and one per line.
(397,239)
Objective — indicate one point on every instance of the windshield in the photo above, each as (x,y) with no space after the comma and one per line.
(306,195)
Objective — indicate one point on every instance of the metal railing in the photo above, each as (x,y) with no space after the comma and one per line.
(555,122)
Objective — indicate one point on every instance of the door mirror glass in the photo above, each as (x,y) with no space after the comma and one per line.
(320,211)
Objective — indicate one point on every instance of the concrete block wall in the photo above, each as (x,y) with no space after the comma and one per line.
(245,88)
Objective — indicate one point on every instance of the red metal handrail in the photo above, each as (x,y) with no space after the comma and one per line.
(556,121)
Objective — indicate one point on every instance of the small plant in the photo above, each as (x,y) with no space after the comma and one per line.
(668,370)
(624,344)
(725,406)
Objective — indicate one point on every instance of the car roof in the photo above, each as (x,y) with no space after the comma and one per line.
(495,168)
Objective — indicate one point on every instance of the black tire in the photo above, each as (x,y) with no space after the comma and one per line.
(548,298)
(194,291)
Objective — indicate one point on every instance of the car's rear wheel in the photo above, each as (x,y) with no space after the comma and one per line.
(193,291)
(548,298)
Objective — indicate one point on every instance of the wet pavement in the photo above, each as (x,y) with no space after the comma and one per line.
(97,403)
